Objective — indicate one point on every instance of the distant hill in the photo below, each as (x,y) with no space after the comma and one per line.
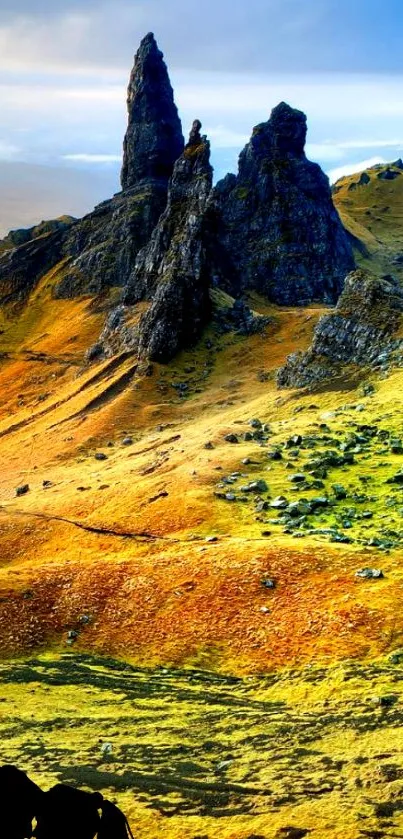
(371,207)
(30,193)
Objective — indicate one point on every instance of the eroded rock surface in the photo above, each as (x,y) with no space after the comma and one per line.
(277,229)
(172,271)
(359,331)
(169,237)
(154,139)
(104,246)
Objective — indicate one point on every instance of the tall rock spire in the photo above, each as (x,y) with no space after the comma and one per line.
(154,139)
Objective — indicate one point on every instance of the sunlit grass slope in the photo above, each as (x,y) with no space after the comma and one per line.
(191,753)
(371,207)
(156,552)
(155,596)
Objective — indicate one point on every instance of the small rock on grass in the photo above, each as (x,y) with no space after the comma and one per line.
(268,583)
(369,574)
(22,490)
(100,456)
(231,438)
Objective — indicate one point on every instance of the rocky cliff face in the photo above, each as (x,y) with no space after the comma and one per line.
(21,268)
(24,235)
(277,229)
(172,271)
(359,331)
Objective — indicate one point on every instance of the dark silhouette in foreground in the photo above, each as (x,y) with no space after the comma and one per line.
(19,802)
(61,813)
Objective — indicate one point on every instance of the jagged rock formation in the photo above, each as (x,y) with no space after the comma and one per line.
(154,139)
(105,244)
(102,247)
(359,331)
(172,271)
(277,229)
(168,237)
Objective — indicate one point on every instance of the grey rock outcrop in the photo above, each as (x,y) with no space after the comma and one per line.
(359,331)
(172,271)
(22,236)
(169,237)
(278,231)
(21,268)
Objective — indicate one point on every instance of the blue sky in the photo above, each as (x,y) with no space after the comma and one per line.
(64,67)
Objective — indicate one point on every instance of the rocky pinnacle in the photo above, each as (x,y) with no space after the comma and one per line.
(154,139)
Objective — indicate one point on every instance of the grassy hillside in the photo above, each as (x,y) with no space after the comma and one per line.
(192,753)
(260,699)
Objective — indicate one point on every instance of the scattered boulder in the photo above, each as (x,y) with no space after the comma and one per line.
(255,487)
(267,582)
(231,438)
(369,574)
(339,491)
(279,503)
(22,490)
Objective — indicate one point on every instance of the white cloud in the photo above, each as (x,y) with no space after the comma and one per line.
(93,158)
(8,151)
(353,168)
(224,138)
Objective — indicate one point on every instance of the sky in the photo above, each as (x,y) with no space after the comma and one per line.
(64,67)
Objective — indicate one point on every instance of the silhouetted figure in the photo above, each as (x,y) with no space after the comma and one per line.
(66,812)
(20,800)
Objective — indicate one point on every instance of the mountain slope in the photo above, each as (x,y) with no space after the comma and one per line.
(371,208)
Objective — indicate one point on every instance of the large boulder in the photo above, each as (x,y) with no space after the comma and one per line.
(276,228)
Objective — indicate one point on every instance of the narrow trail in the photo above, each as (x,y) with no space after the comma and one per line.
(142,536)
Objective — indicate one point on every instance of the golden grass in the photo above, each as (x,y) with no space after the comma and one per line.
(193,754)
(172,597)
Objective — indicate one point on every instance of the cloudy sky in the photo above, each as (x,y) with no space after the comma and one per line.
(64,66)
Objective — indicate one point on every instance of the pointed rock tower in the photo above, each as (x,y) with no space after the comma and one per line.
(154,139)
(105,244)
